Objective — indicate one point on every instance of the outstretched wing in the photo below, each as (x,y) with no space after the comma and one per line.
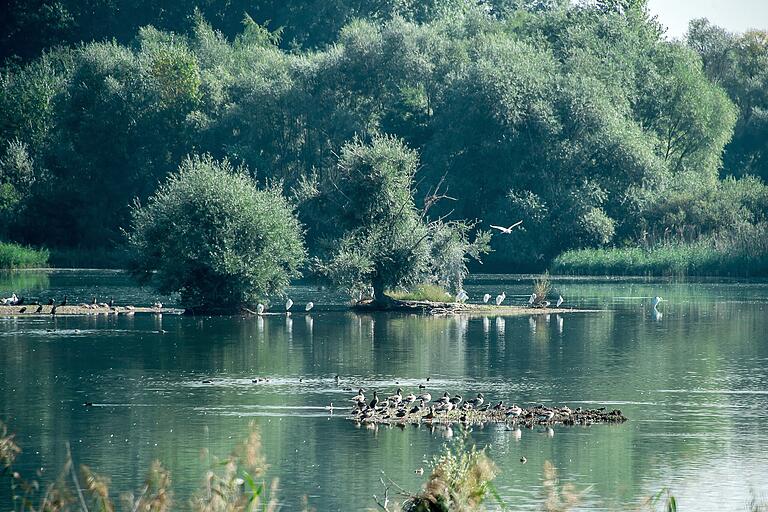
(514,225)
(500,228)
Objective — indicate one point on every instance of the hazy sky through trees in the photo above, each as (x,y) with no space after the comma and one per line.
(734,15)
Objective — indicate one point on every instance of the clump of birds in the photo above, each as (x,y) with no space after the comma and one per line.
(400,409)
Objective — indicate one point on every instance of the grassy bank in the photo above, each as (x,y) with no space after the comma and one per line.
(742,253)
(14,256)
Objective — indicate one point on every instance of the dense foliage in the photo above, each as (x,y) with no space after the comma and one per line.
(579,118)
(214,237)
(375,234)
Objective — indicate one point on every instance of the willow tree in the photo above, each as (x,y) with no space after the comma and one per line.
(379,237)
(210,234)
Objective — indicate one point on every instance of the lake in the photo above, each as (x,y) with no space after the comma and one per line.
(693,383)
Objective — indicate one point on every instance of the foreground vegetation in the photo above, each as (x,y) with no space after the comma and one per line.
(17,256)
(741,253)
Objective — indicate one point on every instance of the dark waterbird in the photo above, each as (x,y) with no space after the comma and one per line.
(50,302)
(39,308)
(53,309)
(22,310)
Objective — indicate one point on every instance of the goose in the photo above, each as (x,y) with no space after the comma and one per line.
(446,398)
(409,398)
(309,306)
(416,408)
(559,301)
(500,298)
(456,400)
(486,298)
(514,411)
(396,398)
(425,397)
(499,406)
(507,231)
(476,402)
(374,400)
(259,309)
(546,416)
(430,415)
(288,304)
(359,397)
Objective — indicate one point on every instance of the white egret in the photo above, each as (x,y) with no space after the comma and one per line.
(288,304)
(508,230)
(260,309)
(461,296)
(500,298)
(656,300)
(486,298)
(532,298)
(309,306)
(559,301)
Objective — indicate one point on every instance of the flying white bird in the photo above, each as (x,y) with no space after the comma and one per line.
(500,298)
(288,304)
(309,306)
(508,230)
(532,298)
(559,301)
(486,298)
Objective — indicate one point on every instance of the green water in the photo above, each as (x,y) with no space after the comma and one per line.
(694,383)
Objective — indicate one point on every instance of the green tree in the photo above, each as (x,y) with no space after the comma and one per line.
(215,238)
(379,237)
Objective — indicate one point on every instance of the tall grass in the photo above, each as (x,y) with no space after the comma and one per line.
(16,256)
(742,252)
(427,292)
(233,484)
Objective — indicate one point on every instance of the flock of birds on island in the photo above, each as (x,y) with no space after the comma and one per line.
(97,307)
(412,408)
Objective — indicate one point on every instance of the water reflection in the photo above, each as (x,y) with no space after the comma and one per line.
(693,385)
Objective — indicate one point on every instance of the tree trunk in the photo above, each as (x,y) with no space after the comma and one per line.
(380,299)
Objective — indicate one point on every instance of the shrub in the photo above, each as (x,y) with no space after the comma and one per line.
(215,238)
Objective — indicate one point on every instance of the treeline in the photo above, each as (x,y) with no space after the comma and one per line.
(580,119)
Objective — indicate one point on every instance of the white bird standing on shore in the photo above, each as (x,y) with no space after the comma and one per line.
(656,300)
(461,296)
(309,306)
(532,298)
(508,230)
(559,301)
(288,304)
(260,309)
(486,298)
(500,298)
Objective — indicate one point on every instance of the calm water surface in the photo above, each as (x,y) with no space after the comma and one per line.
(694,383)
